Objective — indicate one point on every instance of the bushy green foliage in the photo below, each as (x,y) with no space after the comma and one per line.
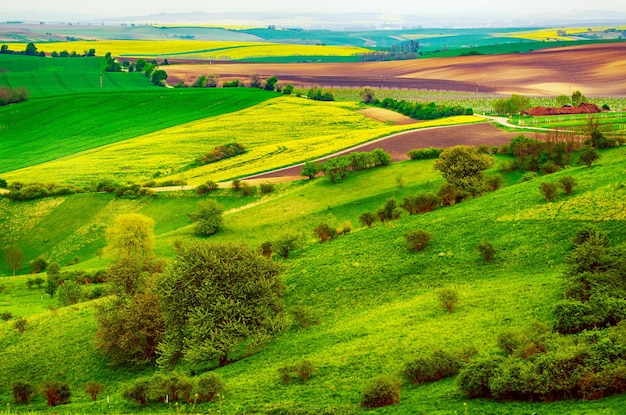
(487,250)
(304,315)
(208,385)
(447,298)
(20,324)
(381,391)
(549,167)
(57,393)
(432,367)
(310,169)
(216,297)
(463,166)
(12,95)
(69,293)
(38,265)
(94,388)
(474,378)
(588,155)
(367,219)
(568,183)
(138,392)
(318,94)
(208,218)
(389,211)
(420,203)
(303,370)
(247,190)
(286,244)
(425,153)
(266,188)
(417,240)
(493,182)
(422,111)
(549,190)
(448,194)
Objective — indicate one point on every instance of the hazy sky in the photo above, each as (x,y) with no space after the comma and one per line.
(118,8)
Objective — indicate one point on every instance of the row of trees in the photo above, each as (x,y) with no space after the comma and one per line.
(401,51)
(65,54)
(31,50)
(337,168)
(418,110)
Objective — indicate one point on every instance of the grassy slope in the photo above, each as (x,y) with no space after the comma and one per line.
(29,136)
(374,299)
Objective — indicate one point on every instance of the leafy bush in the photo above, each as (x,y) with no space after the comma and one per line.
(588,155)
(208,218)
(447,298)
(493,182)
(589,233)
(57,393)
(287,244)
(474,378)
(138,392)
(425,153)
(367,219)
(171,387)
(389,211)
(304,315)
(303,370)
(486,250)
(221,152)
(568,183)
(447,194)
(345,228)
(38,265)
(69,293)
(549,190)
(236,185)
(266,249)
(20,324)
(324,232)
(549,167)
(382,391)
(432,367)
(421,203)
(22,392)
(94,389)
(6,316)
(208,386)
(202,189)
(247,190)
(528,176)
(310,169)
(417,240)
(266,188)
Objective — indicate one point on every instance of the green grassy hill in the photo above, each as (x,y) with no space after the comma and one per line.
(374,300)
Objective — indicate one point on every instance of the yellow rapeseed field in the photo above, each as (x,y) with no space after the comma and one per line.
(552,33)
(277,133)
(196,49)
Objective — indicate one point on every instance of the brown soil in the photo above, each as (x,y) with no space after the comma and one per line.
(593,69)
(388,116)
(584,108)
(400,144)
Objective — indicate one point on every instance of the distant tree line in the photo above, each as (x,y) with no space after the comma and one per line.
(421,111)
(400,51)
(65,54)
(31,50)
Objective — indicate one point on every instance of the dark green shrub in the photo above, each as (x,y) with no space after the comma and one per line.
(417,240)
(433,367)
(171,387)
(484,149)
(208,386)
(208,218)
(22,392)
(568,183)
(38,265)
(590,233)
(266,188)
(20,324)
(447,298)
(212,185)
(3,184)
(287,244)
(304,315)
(310,169)
(94,389)
(549,167)
(324,232)
(367,219)
(510,341)
(382,391)
(474,378)
(138,392)
(493,182)
(57,393)
(486,250)
(266,249)
(202,189)
(421,203)
(6,316)
(588,155)
(236,185)
(448,194)
(389,211)
(425,153)
(247,190)
(345,228)
(549,190)
(528,176)
(69,293)
(304,370)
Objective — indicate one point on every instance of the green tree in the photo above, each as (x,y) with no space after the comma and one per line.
(270,83)
(514,105)
(216,298)
(31,49)
(578,98)
(367,95)
(158,77)
(15,257)
(463,167)
(255,80)
(208,219)
(563,100)
(310,169)
(588,155)
(69,293)
(130,328)
(288,89)
(54,274)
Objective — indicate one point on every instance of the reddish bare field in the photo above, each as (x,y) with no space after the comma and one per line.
(400,144)
(595,69)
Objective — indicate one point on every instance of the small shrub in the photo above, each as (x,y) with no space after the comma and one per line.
(202,189)
(494,150)
(310,169)
(474,378)
(94,389)
(266,249)
(57,393)
(421,203)
(506,166)
(549,190)
(417,240)
(247,190)
(568,183)
(266,188)
(22,392)
(431,368)
(286,244)
(588,155)
(2,288)
(486,250)
(389,211)
(38,265)
(138,392)
(448,298)
(509,341)
(345,228)
(588,232)
(493,182)
(69,293)
(236,185)
(208,386)
(447,194)
(304,315)
(20,324)
(6,316)
(549,167)
(528,176)
(367,219)
(484,149)
(304,370)
(212,185)
(425,153)
(382,391)
(324,232)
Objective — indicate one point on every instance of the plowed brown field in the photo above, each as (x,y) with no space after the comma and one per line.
(594,69)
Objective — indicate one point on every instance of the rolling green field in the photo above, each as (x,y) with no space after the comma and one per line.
(374,299)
